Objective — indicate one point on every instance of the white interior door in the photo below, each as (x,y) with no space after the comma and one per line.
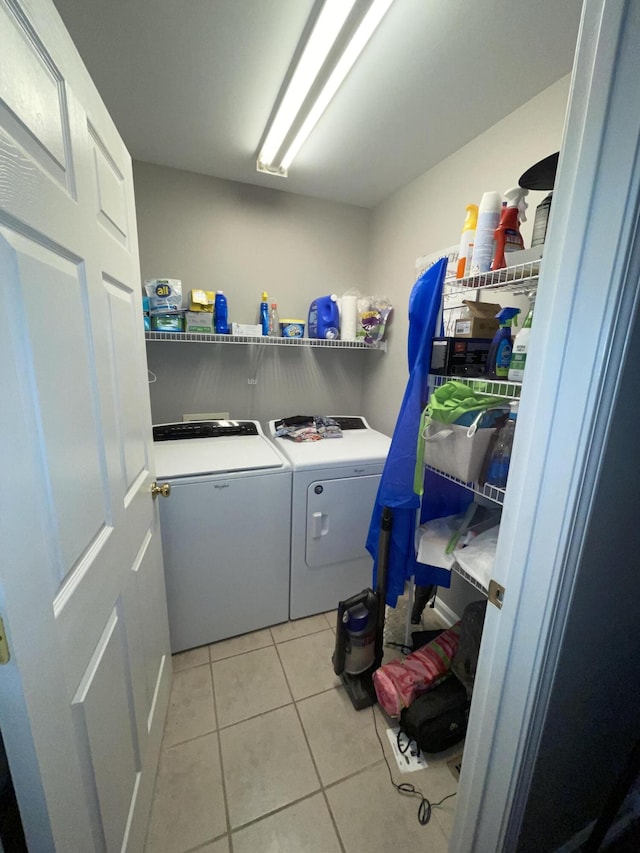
(83,697)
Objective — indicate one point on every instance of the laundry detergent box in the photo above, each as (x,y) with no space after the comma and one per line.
(165,295)
(482,323)
(459,356)
(167,322)
(199,321)
(202,300)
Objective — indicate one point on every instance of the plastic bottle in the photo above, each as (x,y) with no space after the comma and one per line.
(274,320)
(488,218)
(264,313)
(541,221)
(520,348)
(499,356)
(220,306)
(467,241)
(324,318)
(507,235)
(498,469)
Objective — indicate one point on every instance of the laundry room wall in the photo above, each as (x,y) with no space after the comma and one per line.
(223,235)
(427,216)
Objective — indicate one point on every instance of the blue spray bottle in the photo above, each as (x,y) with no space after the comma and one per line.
(497,366)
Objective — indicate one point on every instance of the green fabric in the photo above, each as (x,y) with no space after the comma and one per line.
(454,399)
(446,404)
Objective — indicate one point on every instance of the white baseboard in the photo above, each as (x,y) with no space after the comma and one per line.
(445,612)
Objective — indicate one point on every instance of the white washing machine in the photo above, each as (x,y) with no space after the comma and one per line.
(225,529)
(335,482)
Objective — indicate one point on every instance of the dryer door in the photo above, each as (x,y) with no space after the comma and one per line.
(338,517)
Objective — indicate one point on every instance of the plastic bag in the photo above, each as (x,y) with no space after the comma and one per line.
(373,313)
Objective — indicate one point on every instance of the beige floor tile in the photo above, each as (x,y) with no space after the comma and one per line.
(191,712)
(331,618)
(188,803)
(249,684)
(219,846)
(307,663)
(267,765)
(305,827)
(193,657)
(298,628)
(241,644)
(342,739)
(373,818)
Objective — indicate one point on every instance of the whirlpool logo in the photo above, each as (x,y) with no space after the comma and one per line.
(221,485)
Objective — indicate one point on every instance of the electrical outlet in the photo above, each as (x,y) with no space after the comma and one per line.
(252,381)
(205,416)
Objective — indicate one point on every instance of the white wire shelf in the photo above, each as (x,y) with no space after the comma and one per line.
(202,338)
(481,386)
(488,491)
(520,278)
(457,568)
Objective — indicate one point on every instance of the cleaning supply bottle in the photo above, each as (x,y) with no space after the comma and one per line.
(497,366)
(221,321)
(520,348)
(264,313)
(541,221)
(507,235)
(498,469)
(467,241)
(324,318)
(274,320)
(488,218)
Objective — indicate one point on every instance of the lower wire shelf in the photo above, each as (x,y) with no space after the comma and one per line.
(492,493)
(457,568)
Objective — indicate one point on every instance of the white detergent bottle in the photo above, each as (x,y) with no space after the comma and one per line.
(488,219)
(520,348)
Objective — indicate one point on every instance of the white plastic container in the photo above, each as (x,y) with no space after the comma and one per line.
(488,219)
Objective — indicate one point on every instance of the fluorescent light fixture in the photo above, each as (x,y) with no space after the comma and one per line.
(297,113)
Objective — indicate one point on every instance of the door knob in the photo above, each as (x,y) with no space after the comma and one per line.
(164,490)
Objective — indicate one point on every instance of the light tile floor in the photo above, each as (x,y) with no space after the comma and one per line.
(263,753)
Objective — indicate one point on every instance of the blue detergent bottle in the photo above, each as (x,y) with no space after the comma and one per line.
(324,318)
(497,366)
(221,317)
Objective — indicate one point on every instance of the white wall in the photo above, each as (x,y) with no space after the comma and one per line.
(427,215)
(218,234)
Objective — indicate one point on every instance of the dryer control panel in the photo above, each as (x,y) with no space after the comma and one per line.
(203,429)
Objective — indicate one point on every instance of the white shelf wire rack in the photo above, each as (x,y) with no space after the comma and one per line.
(481,386)
(202,338)
(488,491)
(457,568)
(521,278)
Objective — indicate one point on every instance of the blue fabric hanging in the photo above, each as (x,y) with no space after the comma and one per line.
(396,484)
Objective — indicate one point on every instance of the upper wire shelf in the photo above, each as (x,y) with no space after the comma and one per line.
(491,493)
(521,277)
(202,338)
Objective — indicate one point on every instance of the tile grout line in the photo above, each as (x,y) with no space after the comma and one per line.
(222,779)
(313,760)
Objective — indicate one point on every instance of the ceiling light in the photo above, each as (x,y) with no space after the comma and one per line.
(339,35)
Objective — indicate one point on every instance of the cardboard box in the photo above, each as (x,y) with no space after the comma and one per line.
(199,321)
(459,356)
(202,300)
(481,324)
(246,329)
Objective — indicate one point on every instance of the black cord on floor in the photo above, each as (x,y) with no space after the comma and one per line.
(424,809)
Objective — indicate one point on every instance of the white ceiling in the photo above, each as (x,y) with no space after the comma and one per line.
(191,83)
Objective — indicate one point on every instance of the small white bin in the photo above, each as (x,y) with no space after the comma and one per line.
(449,448)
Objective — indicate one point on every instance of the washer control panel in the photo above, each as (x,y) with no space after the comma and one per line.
(203,429)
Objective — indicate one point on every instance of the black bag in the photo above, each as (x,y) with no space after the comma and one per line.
(437,719)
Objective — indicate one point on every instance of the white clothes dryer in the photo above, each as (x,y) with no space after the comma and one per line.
(335,482)
(225,529)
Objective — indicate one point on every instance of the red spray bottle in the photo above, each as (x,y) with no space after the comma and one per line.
(507,235)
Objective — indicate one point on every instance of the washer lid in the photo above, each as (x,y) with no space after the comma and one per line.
(224,455)
(356,446)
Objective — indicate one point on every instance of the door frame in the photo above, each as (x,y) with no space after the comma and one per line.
(587,294)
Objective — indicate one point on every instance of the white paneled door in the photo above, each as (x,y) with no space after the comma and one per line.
(84,694)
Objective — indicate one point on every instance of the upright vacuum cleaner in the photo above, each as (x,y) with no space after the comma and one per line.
(360,629)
